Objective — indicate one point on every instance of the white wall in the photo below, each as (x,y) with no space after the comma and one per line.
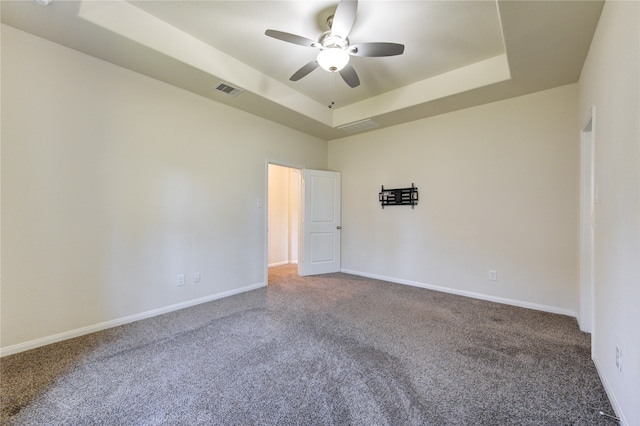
(113,183)
(498,187)
(610,81)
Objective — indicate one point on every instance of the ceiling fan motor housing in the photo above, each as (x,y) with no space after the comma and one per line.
(328,41)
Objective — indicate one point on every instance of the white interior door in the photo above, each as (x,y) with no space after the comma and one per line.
(321,223)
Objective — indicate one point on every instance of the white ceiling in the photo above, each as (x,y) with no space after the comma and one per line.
(457,53)
(432,44)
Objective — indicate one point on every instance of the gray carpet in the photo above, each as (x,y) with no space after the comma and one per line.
(334,349)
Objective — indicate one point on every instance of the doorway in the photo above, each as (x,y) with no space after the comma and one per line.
(587,219)
(283,215)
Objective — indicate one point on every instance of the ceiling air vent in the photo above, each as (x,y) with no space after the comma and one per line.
(359,126)
(229,90)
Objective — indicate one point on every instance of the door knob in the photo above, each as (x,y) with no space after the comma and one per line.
(338,227)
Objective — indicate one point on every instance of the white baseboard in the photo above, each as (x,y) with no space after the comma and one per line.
(32,344)
(503,300)
(292,262)
(609,390)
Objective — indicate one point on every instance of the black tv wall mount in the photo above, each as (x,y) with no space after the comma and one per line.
(399,196)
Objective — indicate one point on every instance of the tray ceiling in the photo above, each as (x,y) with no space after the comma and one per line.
(457,53)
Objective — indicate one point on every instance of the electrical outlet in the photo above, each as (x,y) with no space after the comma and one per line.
(363,257)
(196,277)
(619,358)
(180,279)
(493,275)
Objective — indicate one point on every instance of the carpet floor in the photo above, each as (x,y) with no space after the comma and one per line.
(332,350)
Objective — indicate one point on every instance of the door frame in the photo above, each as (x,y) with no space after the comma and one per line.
(588,200)
(266,210)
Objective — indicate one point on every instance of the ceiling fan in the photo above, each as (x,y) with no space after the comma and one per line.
(335,49)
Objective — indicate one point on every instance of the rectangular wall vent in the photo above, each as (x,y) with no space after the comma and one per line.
(359,126)
(229,90)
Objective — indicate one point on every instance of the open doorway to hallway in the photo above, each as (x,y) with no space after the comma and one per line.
(283,216)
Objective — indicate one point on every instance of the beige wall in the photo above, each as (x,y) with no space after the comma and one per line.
(610,82)
(498,187)
(114,183)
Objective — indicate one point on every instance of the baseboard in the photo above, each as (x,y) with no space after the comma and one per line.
(32,344)
(292,262)
(609,390)
(503,300)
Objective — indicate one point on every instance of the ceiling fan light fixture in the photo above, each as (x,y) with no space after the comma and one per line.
(333,59)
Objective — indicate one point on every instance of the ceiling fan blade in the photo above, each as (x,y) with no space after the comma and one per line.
(291,38)
(344,17)
(349,75)
(376,49)
(304,70)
